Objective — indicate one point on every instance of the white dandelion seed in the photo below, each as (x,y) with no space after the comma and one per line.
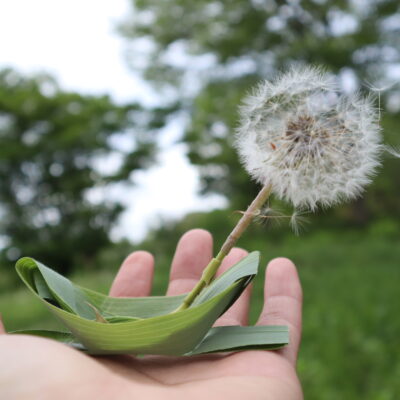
(298,221)
(271,216)
(312,144)
(393,151)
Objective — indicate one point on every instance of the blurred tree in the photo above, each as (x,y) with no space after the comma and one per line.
(56,149)
(208,54)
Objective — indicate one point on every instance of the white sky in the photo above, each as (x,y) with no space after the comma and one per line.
(72,39)
(75,41)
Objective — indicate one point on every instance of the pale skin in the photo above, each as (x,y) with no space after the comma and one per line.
(35,368)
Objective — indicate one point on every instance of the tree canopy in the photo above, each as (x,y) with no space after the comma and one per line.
(56,147)
(208,54)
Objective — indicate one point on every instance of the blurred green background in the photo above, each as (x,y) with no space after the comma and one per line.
(202,57)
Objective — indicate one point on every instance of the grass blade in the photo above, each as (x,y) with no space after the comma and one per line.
(234,338)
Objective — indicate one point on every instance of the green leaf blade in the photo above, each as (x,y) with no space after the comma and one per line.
(147,325)
(235,338)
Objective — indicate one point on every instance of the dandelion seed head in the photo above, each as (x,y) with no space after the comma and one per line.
(314,145)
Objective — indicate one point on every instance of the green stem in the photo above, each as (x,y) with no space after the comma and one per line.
(241,226)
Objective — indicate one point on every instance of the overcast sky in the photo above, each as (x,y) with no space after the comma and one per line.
(75,40)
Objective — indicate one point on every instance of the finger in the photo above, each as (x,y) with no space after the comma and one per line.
(135,276)
(238,312)
(2,329)
(193,253)
(283,302)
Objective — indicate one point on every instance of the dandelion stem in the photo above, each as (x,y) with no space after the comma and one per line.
(211,269)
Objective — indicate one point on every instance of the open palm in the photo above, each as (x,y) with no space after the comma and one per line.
(36,368)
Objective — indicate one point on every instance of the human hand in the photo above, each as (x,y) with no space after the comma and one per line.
(37,368)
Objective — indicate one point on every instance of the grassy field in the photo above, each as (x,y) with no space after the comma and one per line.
(351,287)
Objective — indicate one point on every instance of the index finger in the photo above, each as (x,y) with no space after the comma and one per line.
(135,277)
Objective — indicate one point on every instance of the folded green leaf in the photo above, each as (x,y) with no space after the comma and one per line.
(145,325)
(234,338)
(219,339)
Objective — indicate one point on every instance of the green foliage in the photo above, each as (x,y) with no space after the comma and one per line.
(55,147)
(223,48)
